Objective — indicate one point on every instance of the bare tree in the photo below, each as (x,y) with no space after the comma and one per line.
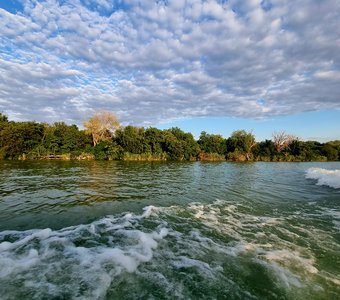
(101,126)
(282,140)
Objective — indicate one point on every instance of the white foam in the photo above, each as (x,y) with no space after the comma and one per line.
(186,262)
(107,248)
(202,238)
(330,178)
(149,210)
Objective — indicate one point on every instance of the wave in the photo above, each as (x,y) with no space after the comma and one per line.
(330,178)
(165,252)
(84,258)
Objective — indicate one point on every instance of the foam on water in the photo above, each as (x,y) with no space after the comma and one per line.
(85,258)
(272,242)
(168,251)
(330,178)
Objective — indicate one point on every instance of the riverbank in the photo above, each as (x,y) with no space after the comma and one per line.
(59,141)
(212,157)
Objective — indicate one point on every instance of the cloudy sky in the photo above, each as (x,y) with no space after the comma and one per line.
(198,64)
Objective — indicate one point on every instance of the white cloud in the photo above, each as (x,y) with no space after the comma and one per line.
(328,75)
(153,61)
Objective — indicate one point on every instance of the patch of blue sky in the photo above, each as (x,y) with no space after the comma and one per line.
(11,52)
(266,5)
(261,102)
(105,7)
(317,125)
(16,53)
(12,6)
(5,48)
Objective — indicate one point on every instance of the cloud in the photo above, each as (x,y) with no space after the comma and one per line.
(156,61)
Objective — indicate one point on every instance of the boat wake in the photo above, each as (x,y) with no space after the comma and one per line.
(167,253)
(79,261)
(326,177)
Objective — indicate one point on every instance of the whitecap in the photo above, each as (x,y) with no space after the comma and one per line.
(330,178)
(93,255)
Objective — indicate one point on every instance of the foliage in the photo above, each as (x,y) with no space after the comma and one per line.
(241,142)
(32,140)
(131,139)
(265,149)
(144,157)
(3,118)
(180,145)
(17,138)
(101,126)
(212,143)
(330,152)
(154,141)
(60,138)
(203,156)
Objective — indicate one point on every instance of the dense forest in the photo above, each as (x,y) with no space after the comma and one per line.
(103,139)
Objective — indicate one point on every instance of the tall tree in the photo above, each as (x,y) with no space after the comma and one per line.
(101,126)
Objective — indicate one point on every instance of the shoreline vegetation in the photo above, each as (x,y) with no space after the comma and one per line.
(103,139)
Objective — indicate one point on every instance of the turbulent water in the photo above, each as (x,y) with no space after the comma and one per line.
(114,230)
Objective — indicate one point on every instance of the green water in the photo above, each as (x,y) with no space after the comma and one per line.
(115,230)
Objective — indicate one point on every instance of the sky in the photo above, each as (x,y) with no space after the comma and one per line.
(201,65)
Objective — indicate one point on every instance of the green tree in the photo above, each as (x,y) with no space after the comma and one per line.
(242,142)
(131,139)
(17,138)
(60,138)
(311,150)
(3,118)
(154,140)
(212,143)
(187,146)
(172,146)
(265,150)
(330,152)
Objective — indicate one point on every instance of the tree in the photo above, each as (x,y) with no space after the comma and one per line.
(241,141)
(187,146)
(131,139)
(282,140)
(172,146)
(330,152)
(101,126)
(3,118)
(212,143)
(265,150)
(155,140)
(17,138)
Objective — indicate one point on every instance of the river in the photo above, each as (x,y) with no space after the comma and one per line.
(157,230)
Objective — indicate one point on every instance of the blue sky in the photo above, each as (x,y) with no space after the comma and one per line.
(208,65)
(317,126)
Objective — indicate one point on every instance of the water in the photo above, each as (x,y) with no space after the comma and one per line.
(117,230)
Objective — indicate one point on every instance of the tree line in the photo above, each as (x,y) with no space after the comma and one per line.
(104,139)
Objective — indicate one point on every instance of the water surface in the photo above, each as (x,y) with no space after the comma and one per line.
(120,230)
